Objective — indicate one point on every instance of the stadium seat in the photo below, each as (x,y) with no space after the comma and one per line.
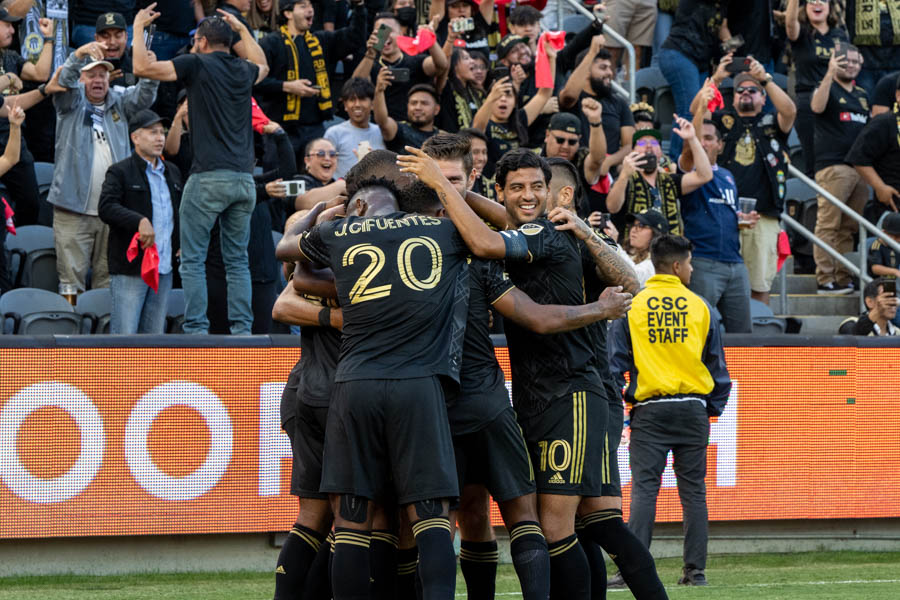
(763,320)
(575,23)
(44,173)
(31,311)
(34,250)
(95,307)
(175,311)
(796,189)
(647,81)
(847,326)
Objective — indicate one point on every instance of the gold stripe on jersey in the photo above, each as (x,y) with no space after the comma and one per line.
(561,549)
(497,299)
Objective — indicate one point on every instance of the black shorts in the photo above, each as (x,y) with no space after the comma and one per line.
(567,443)
(388,436)
(614,426)
(495,457)
(307,433)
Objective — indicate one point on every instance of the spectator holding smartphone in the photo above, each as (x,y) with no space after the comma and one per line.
(454,22)
(841,110)
(881,301)
(883,260)
(422,107)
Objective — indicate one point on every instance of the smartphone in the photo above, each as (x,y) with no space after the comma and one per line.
(401,74)
(463,24)
(890,287)
(383,33)
(604,220)
(148,35)
(738,64)
(649,164)
(498,73)
(294,187)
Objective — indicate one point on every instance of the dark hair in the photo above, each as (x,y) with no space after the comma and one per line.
(458,86)
(831,19)
(418,198)
(387,15)
(871,289)
(424,87)
(524,15)
(479,55)
(262,21)
(471,132)
(667,249)
(216,31)
(520,159)
(602,53)
(563,169)
(312,142)
(358,87)
(380,165)
(450,146)
(714,126)
(644,116)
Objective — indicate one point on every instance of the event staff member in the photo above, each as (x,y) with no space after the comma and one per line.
(670,345)
(141,195)
(842,110)
(298,92)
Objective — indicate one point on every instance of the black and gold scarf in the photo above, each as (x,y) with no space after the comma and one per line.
(466,104)
(867,30)
(637,198)
(292,111)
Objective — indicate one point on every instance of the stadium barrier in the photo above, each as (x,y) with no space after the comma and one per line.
(180,435)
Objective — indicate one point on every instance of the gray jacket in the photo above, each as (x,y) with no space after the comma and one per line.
(74,142)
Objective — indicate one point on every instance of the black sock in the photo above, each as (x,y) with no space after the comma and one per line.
(596,561)
(296,556)
(478,563)
(407,561)
(350,576)
(318,580)
(569,571)
(383,555)
(437,561)
(531,560)
(634,560)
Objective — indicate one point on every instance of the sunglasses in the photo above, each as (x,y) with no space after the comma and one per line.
(647,142)
(567,141)
(817,1)
(747,90)
(324,153)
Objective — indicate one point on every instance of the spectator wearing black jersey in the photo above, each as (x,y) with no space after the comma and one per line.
(483,36)
(813,30)
(884,98)
(422,107)
(841,110)
(461,96)
(84,14)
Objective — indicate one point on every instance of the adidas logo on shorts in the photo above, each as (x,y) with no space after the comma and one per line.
(280,570)
(557,478)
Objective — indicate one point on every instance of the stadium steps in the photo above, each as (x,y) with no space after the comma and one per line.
(819,315)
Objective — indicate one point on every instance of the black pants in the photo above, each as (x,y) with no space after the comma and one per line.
(21,182)
(263,299)
(683,428)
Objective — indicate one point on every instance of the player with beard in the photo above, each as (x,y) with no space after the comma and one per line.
(490,451)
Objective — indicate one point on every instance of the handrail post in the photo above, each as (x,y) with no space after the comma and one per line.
(863,266)
(783,294)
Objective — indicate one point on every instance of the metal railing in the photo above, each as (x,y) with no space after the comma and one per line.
(631,92)
(864,225)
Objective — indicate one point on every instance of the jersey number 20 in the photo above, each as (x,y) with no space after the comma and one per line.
(363,290)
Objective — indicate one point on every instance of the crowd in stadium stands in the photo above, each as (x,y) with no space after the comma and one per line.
(302,89)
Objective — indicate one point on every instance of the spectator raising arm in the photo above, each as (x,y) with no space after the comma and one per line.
(702,172)
(384,120)
(498,89)
(364,68)
(437,63)
(819,99)
(534,106)
(40,70)
(593,163)
(792,20)
(787,110)
(572,90)
(14,143)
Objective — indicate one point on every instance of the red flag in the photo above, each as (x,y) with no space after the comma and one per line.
(421,43)
(258,118)
(717,100)
(8,215)
(784,249)
(149,264)
(542,77)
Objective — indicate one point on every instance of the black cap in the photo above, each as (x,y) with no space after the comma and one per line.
(563,121)
(654,133)
(5,16)
(508,43)
(287,5)
(891,223)
(111,20)
(144,118)
(651,218)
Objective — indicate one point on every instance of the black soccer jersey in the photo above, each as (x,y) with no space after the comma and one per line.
(549,367)
(402,283)
(482,395)
(321,348)
(836,128)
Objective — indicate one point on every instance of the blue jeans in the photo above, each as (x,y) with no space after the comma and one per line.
(84,34)
(685,80)
(660,33)
(230,196)
(135,307)
(727,287)
(166,45)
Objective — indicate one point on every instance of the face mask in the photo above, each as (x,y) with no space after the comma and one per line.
(407,16)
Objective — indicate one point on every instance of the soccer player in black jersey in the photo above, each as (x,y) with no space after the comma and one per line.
(488,443)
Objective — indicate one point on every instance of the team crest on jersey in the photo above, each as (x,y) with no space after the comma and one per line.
(728,121)
(531,228)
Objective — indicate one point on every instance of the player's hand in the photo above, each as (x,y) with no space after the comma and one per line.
(47,27)
(383,81)
(146,235)
(685,129)
(147,15)
(566,220)
(614,303)
(887,195)
(330,214)
(422,166)
(592,109)
(276,189)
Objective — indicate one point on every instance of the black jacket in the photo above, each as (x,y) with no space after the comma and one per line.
(124,201)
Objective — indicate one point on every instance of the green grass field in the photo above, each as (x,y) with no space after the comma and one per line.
(817,575)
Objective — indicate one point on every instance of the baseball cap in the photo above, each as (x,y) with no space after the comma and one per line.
(144,118)
(109,66)
(567,122)
(646,133)
(111,20)
(746,78)
(891,223)
(5,16)
(508,43)
(651,218)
